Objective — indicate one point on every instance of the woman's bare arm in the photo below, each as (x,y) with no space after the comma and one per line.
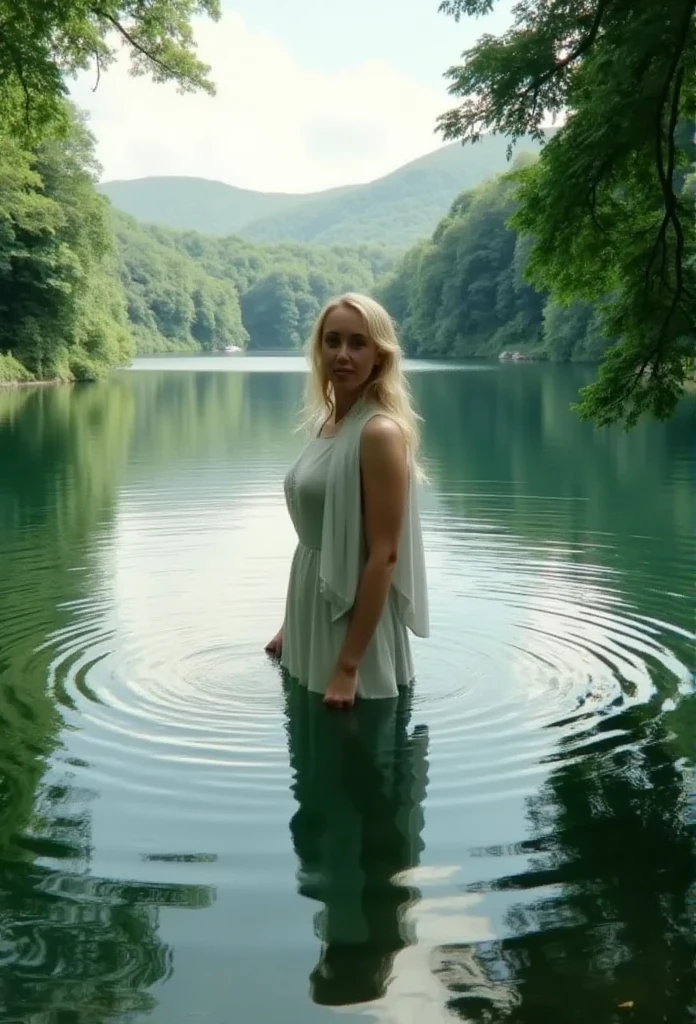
(385,481)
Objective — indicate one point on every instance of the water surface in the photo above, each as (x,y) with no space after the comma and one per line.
(184,837)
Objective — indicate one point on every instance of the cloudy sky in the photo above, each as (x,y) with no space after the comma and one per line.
(303,103)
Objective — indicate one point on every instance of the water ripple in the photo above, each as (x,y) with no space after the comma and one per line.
(533,645)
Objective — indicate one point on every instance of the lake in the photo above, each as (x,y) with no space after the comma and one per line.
(184,840)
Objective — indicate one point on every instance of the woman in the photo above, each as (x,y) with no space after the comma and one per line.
(357,581)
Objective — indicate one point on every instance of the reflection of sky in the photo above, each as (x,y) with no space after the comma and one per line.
(190,755)
(208,973)
(197,564)
(273,364)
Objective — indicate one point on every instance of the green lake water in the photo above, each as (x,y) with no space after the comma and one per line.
(185,840)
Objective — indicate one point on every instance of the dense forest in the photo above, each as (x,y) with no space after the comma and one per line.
(83,287)
(62,308)
(463,292)
(460,294)
(187,291)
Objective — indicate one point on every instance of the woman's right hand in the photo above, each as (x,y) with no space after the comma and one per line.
(275,646)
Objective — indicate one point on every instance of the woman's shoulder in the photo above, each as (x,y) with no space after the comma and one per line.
(382,439)
(380,427)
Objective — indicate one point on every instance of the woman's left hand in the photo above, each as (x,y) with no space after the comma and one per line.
(343,685)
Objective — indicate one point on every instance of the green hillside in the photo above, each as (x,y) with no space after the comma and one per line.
(198,204)
(188,292)
(397,209)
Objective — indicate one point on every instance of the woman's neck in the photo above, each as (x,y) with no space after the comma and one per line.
(343,404)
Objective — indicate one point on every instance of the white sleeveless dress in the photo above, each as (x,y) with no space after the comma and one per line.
(323,496)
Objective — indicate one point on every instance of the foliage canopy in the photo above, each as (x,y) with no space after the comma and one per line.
(606,205)
(43,42)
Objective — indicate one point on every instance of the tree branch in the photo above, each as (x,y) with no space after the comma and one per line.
(673,212)
(172,72)
(671,215)
(674,81)
(666,174)
(98,61)
(583,46)
(457,8)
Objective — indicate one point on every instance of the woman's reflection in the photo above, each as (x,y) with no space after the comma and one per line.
(359,781)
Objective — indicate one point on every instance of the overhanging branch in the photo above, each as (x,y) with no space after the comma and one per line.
(157,61)
(666,174)
(98,62)
(560,65)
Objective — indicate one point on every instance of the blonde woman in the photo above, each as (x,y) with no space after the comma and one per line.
(357,581)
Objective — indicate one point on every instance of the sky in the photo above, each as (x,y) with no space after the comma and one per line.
(303,102)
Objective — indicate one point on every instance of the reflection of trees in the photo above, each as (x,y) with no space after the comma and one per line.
(181,415)
(359,781)
(601,915)
(512,426)
(62,451)
(73,947)
(69,941)
(503,447)
(81,949)
(612,850)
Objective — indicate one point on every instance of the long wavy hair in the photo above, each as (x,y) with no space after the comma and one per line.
(387,387)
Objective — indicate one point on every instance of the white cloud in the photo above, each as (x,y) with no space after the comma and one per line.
(273,125)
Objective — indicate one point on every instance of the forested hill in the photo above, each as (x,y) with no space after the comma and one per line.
(463,293)
(460,294)
(186,291)
(395,210)
(84,286)
(199,204)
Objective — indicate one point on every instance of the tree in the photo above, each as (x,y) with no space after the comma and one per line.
(62,311)
(572,333)
(44,41)
(62,306)
(606,204)
(186,291)
(275,309)
(462,293)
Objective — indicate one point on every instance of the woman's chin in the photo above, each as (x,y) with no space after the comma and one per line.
(347,383)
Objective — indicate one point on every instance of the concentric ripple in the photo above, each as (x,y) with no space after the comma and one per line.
(162,674)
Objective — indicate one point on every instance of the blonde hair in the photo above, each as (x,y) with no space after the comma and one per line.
(387,387)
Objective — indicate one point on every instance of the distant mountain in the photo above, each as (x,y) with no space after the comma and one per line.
(397,209)
(199,204)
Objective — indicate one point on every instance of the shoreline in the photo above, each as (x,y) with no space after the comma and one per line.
(32,383)
(689,386)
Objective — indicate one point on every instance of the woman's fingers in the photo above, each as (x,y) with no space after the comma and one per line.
(338,702)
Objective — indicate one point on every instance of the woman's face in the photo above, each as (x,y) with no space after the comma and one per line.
(348,354)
